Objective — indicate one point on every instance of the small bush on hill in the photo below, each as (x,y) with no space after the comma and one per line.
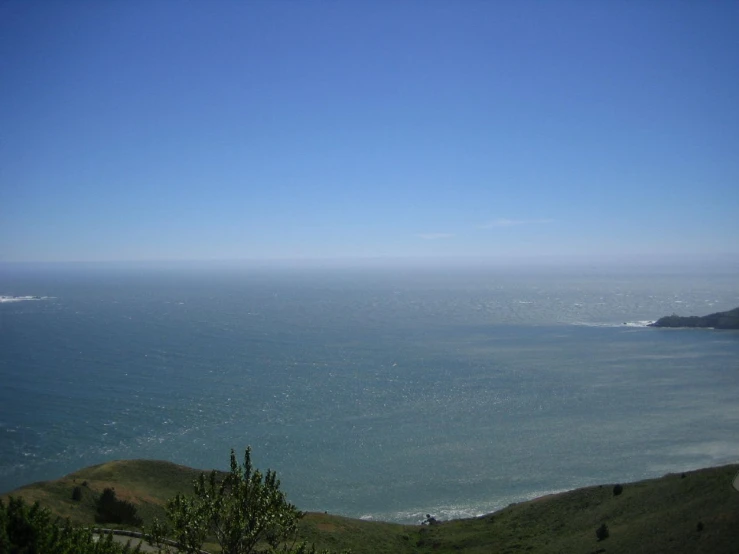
(601,532)
(112,510)
(618,489)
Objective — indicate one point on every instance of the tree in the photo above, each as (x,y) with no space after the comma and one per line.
(244,510)
(112,510)
(31,529)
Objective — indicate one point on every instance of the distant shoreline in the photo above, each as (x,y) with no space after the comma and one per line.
(718,320)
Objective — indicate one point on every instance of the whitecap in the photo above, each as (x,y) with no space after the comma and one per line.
(643,323)
(6,299)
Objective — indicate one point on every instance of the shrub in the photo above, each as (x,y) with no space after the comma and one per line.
(241,510)
(112,510)
(77,494)
(618,489)
(601,532)
(30,529)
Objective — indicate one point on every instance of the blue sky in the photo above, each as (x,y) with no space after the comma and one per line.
(276,130)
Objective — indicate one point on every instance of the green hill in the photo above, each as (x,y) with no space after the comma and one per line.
(685,513)
(718,320)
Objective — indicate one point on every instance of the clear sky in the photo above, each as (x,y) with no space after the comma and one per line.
(247,130)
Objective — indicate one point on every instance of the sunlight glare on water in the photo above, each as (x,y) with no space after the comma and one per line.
(377,395)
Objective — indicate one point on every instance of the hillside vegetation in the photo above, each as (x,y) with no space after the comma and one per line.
(683,513)
(718,320)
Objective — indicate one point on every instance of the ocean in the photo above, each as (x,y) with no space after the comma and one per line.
(380,393)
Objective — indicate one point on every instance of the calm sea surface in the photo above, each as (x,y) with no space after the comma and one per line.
(383,394)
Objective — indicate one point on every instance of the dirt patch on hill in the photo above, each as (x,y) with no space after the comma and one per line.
(327,527)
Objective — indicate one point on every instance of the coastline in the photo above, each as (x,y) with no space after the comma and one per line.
(677,513)
(140,471)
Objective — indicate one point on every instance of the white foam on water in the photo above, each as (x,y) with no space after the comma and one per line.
(639,324)
(7,299)
(449,512)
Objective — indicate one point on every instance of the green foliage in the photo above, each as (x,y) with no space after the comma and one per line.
(601,532)
(618,489)
(302,548)
(77,494)
(112,510)
(244,510)
(28,529)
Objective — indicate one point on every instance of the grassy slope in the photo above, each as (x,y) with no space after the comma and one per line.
(658,515)
(147,484)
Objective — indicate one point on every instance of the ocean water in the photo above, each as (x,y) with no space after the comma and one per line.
(375,393)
